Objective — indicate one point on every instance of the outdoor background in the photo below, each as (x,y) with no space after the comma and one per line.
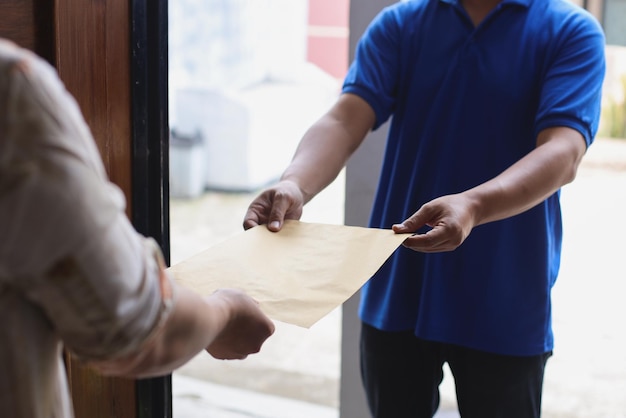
(247,77)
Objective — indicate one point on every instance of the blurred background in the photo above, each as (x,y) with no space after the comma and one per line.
(247,78)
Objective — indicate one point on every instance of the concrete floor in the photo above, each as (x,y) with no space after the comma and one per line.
(298,370)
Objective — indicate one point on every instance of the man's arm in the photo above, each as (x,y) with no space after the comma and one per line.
(319,158)
(552,164)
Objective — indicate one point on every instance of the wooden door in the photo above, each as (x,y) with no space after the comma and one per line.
(92,57)
(111,55)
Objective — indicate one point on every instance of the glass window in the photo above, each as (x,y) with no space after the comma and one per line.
(247,78)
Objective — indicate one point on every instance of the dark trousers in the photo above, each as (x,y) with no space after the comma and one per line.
(401,375)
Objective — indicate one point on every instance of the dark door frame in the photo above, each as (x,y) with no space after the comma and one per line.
(150,168)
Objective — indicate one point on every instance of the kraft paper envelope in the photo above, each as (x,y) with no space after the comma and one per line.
(297,275)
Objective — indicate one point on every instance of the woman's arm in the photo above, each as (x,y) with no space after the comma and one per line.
(228,324)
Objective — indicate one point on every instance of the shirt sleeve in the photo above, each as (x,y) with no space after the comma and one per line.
(374,73)
(572,84)
(68,247)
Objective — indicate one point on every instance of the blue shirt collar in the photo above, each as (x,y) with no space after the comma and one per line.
(524,3)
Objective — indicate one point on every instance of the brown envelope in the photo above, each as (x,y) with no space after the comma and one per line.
(297,275)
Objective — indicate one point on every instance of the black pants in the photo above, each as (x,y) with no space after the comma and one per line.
(401,375)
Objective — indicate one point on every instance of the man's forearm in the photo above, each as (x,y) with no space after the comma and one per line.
(326,147)
(320,157)
(532,179)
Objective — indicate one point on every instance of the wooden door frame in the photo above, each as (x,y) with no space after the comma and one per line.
(122,90)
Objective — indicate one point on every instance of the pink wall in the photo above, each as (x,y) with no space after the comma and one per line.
(327,45)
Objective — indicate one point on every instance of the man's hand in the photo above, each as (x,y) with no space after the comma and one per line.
(275,204)
(246,330)
(451,218)
(539,174)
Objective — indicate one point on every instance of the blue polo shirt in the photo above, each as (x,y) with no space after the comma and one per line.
(466,103)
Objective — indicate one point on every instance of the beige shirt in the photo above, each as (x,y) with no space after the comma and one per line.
(73,271)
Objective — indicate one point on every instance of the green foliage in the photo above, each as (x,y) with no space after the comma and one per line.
(613,117)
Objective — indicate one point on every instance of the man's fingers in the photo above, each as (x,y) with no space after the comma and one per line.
(423,242)
(256,212)
(273,206)
(433,241)
(414,222)
(249,223)
(281,204)
(276,219)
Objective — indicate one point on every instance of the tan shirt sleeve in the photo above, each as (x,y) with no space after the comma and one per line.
(67,244)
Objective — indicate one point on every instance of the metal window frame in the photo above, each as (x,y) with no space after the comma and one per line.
(150,168)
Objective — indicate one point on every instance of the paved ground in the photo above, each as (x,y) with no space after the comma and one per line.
(297,373)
